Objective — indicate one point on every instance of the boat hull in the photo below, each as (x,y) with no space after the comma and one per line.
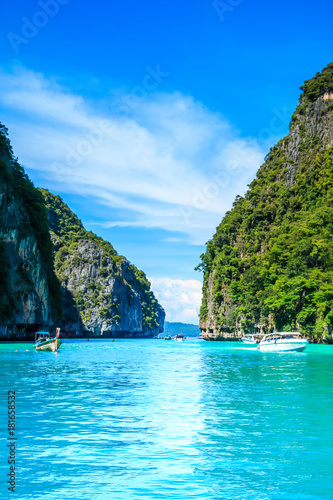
(285,346)
(50,345)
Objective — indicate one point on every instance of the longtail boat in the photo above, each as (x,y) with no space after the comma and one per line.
(44,342)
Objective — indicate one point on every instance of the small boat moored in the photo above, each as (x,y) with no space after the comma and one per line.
(283,342)
(252,339)
(249,339)
(44,342)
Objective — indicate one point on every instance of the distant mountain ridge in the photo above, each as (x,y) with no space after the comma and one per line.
(186,329)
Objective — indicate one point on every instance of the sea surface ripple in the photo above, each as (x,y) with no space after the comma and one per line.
(150,419)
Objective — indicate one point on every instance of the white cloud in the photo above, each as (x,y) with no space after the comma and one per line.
(180,298)
(170,162)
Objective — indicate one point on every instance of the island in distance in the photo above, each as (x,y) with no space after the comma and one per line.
(186,329)
(53,272)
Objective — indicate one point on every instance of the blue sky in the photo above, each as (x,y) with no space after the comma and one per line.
(149,117)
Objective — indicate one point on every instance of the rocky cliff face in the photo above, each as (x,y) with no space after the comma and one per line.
(103,293)
(28,287)
(270,264)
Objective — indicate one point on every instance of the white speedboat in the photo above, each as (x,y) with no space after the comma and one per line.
(179,338)
(282,342)
(249,339)
(252,339)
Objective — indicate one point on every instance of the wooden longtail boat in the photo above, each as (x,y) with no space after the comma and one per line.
(43,341)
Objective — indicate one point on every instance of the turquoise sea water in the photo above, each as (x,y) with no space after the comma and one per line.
(151,419)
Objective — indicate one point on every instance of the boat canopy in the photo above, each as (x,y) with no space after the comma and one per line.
(43,334)
(253,335)
(282,334)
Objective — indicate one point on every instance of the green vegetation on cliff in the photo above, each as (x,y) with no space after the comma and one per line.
(93,298)
(318,85)
(33,204)
(270,262)
(52,268)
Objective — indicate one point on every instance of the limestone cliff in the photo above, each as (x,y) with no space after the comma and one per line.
(30,295)
(103,293)
(270,263)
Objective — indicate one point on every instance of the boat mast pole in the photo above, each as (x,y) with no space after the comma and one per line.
(57,336)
